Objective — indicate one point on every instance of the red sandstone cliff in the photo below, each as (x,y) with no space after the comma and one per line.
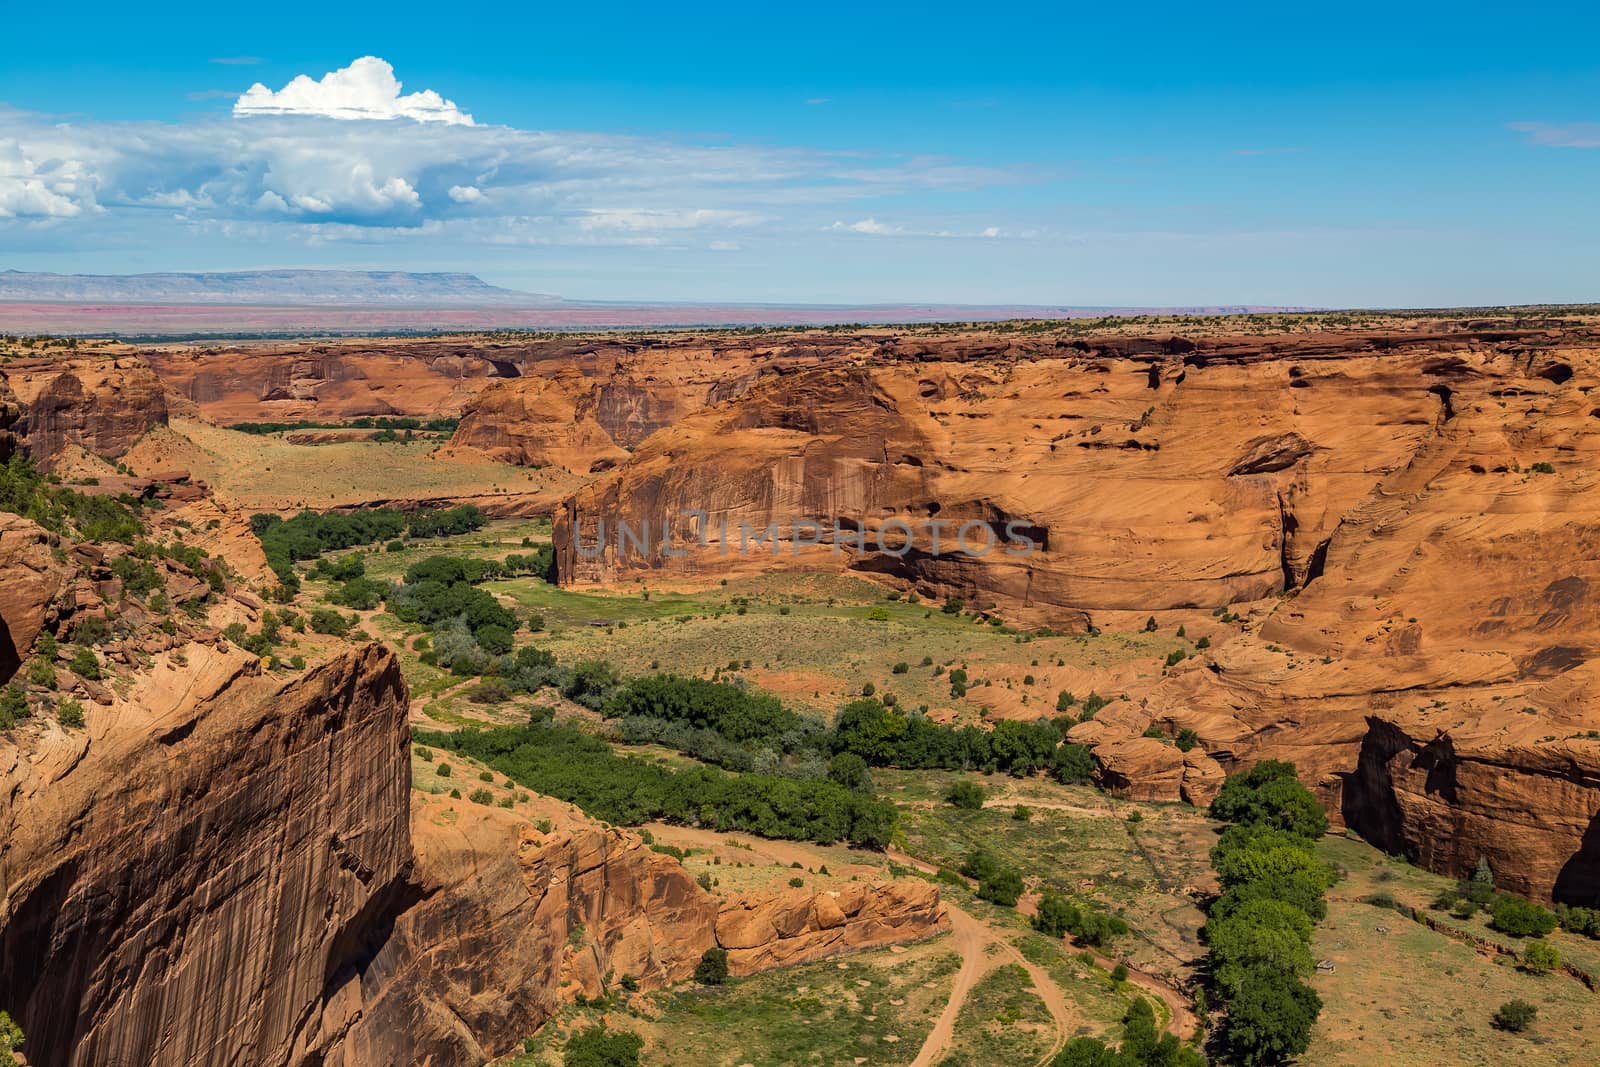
(102,405)
(182,881)
(1408,520)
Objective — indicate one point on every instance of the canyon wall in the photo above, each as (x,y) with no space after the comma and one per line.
(102,405)
(181,881)
(1406,524)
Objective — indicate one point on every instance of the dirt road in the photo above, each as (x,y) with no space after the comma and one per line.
(972,940)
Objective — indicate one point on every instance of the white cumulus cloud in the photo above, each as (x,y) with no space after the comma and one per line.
(366,89)
(31,188)
(466,194)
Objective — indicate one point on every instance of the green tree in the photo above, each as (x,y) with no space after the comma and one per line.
(850,771)
(1540,957)
(1271,794)
(712,968)
(1269,1021)
(1520,918)
(1072,764)
(1515,1016)
(1003,888)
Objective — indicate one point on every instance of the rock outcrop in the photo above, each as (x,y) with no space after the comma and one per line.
(102,405)
(1531,810)
(799,925)
(32,582)
(510,923)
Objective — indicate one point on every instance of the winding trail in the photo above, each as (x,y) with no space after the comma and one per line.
(972,939)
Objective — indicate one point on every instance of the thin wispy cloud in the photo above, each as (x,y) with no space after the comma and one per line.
(818,101)
(236,61)
(1555,135)
(212,94)
(1266,151)
(871,227)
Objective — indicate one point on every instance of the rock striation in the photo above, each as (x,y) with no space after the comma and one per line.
(103,405)
(181,885)
(798,926)
(1403,521)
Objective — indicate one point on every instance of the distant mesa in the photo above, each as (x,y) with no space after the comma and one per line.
(288,288)
(299,302)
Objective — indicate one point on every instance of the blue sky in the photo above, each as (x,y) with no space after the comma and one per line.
(1389,155)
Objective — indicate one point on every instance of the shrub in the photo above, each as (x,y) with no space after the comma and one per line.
(13,706)
(1022,813)
(712,968)
(1515,1016)
(485,776)
(69,713)
(796,883)
(1540,957)
(602,1047)
(1520,918)
(85,665)
(1584,921)
(877,614)
(489,691)
(1119,973)
(1072,764)
(965,794)
(42,672)
(10,1034)
(953,606)
(395,546)
(1058,917)
(328,621)
(424,753)
(901,667)
(481,796)
(1003,888)
(91,630)
(443,770)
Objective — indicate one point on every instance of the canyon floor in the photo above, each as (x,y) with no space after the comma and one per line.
(1152,870)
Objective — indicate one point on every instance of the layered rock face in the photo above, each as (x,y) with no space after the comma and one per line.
(798,925)
(32,583)
(100,405)
(332,381)
(1528,809)
(1408,521)
(1136,480)
(182,885)
(510,924)
(630,386)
